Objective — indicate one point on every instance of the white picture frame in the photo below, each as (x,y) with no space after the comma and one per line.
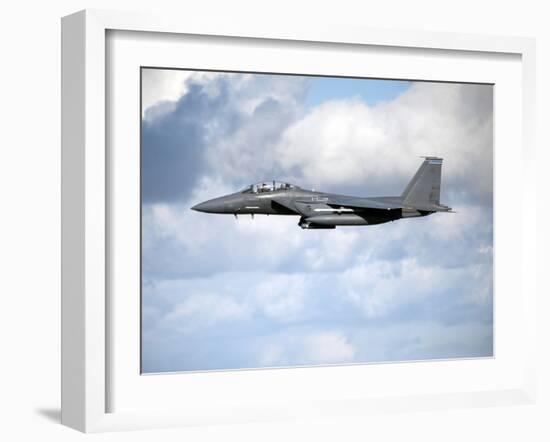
(86,203)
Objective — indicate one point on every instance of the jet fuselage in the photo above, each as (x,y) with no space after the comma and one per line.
(320,210)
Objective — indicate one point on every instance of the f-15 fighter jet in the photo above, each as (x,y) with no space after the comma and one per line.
(320,210)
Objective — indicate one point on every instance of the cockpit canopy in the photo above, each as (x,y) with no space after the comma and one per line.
(269,186)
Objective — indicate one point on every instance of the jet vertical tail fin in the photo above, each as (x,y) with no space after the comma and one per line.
(423,191)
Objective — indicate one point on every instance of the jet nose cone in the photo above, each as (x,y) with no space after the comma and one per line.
(211,206)
(202,207)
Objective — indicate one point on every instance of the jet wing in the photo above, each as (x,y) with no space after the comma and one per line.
(332,203)
(361,203)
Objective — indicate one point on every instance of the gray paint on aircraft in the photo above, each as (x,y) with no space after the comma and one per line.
(320,210)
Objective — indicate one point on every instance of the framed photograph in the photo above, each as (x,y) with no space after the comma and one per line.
(273,223)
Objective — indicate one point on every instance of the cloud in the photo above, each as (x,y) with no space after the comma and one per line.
(373,147)
(328,347)
(379,288)
(224,125)
(160,85)
(257,319)
(175,235)
(226,293)
(376,287)
(421,340)
(200,310)
(165,87)
(178,242)
(281,297)
(242,128)
(311,348)
(192,305)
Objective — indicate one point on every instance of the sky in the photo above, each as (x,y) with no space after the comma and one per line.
(220,293)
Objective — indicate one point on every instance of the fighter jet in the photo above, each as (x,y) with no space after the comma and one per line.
(320,210)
